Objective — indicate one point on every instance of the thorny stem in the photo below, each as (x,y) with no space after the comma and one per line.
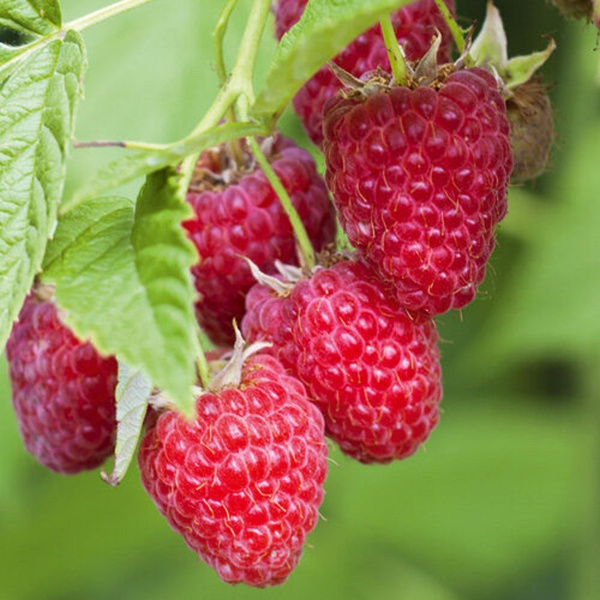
(306,247)
(396,57)
(455,30)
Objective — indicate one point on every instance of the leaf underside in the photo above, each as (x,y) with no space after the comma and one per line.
(132,395)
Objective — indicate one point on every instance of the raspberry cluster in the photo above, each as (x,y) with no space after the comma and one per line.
(418,174)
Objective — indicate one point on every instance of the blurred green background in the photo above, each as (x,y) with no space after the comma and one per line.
(503,503)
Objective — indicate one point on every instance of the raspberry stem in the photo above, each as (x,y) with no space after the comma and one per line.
(219,32)
(455,30)
(306,248)
(397,61)
(218,36)
(240,80)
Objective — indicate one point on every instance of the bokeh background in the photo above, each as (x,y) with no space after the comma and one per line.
(503,503)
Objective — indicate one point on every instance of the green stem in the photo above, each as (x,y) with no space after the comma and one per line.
(240,81)
(243,69)
(235,146)
(103,14)
(396,57)
(306,248)
(218,37)
(455,30)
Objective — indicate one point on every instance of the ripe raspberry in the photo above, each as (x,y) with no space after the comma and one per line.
(414,25)
(419,177)
(243,482)
(237,213)
(269,317)
(371,368)
(63,392)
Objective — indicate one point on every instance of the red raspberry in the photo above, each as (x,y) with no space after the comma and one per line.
(371,368)
(63,392)
(414,24)
(239,214)
(419,177)
(243,482)
(269,317)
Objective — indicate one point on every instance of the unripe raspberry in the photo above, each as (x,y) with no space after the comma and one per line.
(237,215)
(243,481)
(63,392)
(531,129)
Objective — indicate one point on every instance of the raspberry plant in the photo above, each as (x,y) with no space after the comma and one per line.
(121,269)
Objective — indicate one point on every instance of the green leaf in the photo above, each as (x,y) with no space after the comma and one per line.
(132,395)
(7,52)
(325,28)
(122,273)
(138,164)
(39,17)
(37,109)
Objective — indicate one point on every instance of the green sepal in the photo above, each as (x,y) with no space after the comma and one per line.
(489,50)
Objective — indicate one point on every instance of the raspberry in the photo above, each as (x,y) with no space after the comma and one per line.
(269,317)
(372,368)
(63,392)
(243,482)
(531,129)
(237,213)
(414,25)
(419,177)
